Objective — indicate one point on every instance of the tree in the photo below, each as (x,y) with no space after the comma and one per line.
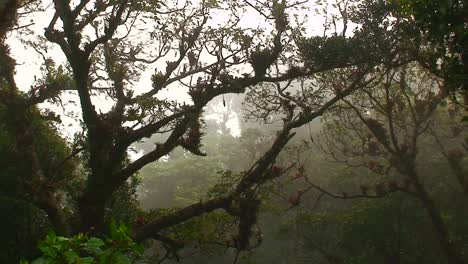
(187,50)
(442,25)
(22,195)
(387,130)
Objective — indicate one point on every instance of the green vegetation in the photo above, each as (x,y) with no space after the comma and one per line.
(213,139)
(117,248)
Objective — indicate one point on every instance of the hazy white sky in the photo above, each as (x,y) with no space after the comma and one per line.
(29,61)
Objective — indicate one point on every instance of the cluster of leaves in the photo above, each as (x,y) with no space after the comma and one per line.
(369,231)
(21,237)
(185,178)
(443,24)
(331,51)
(22,228)
(117,248)
(179,181)
(124,203)
(227,180)
(52,149)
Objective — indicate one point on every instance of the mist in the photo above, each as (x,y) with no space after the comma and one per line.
(233,132)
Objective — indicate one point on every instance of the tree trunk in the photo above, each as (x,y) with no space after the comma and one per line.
(99,189)
(91,213)
(441,232)
(51,206)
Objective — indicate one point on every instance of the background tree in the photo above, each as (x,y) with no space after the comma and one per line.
(442,25)
(389,129)
(108,45)
(100,62)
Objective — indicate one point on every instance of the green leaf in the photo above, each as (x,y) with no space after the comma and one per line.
(119,258)
(63,239)
(87,260)
(94,245)
(48,250)
(41,261)
(105,256)
(113,231)
(51,237)
(71,256)
(139,249)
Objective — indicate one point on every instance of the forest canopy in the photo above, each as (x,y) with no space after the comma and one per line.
(351,132)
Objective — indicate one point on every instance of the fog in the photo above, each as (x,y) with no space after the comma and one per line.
(233,132)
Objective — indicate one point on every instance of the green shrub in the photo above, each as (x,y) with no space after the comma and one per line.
(117,248)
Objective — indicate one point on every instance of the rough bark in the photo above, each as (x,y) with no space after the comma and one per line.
(440,228)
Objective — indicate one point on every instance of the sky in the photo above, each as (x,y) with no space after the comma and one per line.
(29,62)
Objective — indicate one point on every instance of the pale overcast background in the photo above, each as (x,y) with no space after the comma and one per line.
(29,61)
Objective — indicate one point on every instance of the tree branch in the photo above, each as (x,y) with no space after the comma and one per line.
(109,31)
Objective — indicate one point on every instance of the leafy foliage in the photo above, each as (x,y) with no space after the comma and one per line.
(380,90)
(82,249)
